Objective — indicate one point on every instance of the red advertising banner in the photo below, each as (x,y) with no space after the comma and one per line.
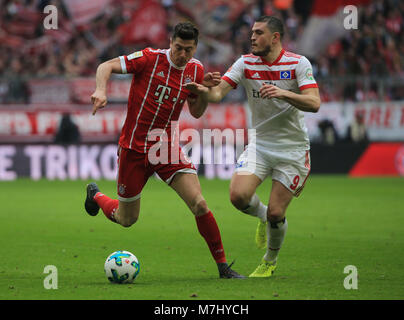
(380,159)
(39,123)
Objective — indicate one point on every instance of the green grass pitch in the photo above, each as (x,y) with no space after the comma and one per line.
(337,221)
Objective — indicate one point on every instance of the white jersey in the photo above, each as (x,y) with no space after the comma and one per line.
(278,124)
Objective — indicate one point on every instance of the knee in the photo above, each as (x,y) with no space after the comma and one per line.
(275,213)
(200,207)
(239,199)
(128,221)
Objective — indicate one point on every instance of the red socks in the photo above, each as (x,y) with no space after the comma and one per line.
(210,232)
(207,226)
(107,205)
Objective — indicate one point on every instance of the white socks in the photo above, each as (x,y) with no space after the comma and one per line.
(276,234)
(256,208)
(276,231)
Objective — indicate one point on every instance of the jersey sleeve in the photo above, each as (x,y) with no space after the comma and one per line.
(199,73)
(134,62)
(304,75)
(235,73)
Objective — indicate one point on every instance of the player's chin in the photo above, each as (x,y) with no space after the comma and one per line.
(181,62)
(255,51)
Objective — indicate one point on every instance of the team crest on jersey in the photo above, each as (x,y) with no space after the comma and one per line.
(285,75)
(188,79)
(122,189)
(135,55)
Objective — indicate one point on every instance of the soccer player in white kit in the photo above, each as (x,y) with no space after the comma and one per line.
(279,86)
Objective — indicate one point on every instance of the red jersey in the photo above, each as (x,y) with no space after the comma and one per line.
(157,95)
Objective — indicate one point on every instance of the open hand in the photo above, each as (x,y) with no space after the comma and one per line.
(196,88)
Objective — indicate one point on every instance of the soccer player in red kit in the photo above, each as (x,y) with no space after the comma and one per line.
(156,98)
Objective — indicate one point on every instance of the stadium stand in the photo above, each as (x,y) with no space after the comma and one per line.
(370,59)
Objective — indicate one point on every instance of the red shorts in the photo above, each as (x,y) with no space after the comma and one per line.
(134,169)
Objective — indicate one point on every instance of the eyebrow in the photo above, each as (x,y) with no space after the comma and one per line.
(185,47)
(258,30)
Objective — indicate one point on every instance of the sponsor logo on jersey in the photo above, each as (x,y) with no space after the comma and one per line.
(256,93)
(135,55)
(285,75)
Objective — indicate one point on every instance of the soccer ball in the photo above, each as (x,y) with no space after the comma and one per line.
(121,267)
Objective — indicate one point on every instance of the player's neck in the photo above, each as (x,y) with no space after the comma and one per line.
(272,56)
(171,60)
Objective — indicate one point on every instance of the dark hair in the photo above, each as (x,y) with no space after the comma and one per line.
(274,24)
(186,31)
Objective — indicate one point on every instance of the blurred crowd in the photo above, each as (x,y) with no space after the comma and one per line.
(375,50)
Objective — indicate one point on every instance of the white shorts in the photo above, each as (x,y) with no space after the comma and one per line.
(291,168)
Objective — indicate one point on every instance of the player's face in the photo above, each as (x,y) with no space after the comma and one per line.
(181,51)
(262,39)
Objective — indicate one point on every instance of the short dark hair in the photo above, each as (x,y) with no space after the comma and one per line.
(186,31)
(274,24)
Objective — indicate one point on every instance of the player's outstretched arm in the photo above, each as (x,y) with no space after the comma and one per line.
(104,70)
(214,94)
(211,79)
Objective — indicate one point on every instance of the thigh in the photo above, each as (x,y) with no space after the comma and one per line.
(188,188)
(253,162)
(245,184)
(181,164)
(293,170)
(133,174)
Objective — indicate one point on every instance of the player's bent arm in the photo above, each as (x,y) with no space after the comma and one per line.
(104,70)
(197,106)
(308,101)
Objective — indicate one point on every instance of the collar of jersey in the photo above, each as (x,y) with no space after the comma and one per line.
(276,60)
(172,63)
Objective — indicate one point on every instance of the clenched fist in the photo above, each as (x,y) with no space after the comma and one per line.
(99,100)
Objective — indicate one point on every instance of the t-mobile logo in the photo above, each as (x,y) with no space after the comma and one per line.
(162,94)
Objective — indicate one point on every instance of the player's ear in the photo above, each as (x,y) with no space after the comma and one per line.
(276,37)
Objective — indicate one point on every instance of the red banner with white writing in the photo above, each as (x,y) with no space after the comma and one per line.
(39,123)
